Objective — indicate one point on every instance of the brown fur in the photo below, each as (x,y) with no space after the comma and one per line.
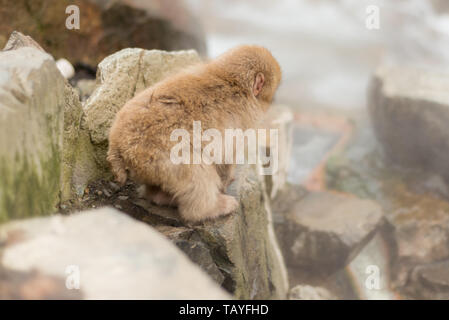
(229,92)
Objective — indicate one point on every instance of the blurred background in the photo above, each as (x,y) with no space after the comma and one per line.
(368,97)
(326,51)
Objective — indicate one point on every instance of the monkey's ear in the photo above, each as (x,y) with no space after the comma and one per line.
(258,83)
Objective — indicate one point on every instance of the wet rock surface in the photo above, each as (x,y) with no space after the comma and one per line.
(324,231)
(345,279)
(415,204)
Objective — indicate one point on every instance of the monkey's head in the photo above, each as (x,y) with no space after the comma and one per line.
(253,68)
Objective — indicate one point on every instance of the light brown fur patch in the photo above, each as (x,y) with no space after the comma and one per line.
(231,91)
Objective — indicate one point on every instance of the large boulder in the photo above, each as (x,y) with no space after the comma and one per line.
(78,153)
(110,256)
(238,251)
(323,231)
(104,27)
(410,114)
(31,133)
(121,76)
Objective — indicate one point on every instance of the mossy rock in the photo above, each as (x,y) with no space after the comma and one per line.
(31,133)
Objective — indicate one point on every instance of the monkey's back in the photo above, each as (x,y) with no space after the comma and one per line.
(141,131)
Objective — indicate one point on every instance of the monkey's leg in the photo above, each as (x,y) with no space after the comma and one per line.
(162,198)
(117,165)
(201,197)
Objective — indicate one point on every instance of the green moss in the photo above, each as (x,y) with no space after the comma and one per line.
(30,182)
(24,193)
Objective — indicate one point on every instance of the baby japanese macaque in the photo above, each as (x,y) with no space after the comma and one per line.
(232,91)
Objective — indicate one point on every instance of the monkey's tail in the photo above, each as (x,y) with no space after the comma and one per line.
(117,165)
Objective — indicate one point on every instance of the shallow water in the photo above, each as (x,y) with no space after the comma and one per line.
(309,147)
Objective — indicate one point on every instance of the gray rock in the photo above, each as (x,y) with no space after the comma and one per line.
(323,232)
(285,200)
(31,133)
(85,88)
(19,40)
(116,256)
(420,239)
(188,241)
(243,245)
(73,159)
(247,242)
(429,281)
(421,234)
(410,114)
(119,77)
(199,253)
(280,118)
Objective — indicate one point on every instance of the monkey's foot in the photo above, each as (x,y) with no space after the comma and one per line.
(121,177)
(227,183)
(162,198)
(226,204)
(155,195)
